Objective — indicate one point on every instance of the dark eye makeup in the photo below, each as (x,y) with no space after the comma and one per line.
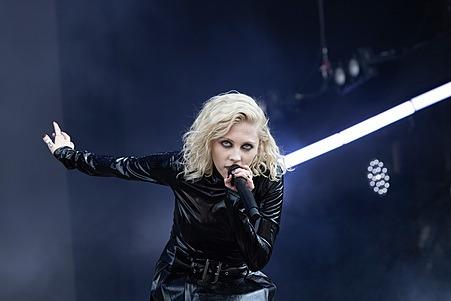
(247,146)
(227,144)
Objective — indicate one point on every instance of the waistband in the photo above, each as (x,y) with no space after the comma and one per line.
(207,271)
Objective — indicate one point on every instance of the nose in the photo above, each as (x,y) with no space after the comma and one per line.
(235,156)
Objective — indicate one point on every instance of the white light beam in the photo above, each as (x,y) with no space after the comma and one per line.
(368,126)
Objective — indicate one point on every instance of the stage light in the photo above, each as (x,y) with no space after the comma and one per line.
(368,126)
(339,76)
(359,69)
(378,178)
(353,67)
(313,150)
(431,97)
(376,122)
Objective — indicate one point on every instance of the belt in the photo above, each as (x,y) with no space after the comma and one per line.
(207,271)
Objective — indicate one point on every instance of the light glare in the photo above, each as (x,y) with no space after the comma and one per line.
(368,126)
(313,150)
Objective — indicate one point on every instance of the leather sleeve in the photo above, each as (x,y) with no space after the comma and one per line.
(256,241)
(157,168)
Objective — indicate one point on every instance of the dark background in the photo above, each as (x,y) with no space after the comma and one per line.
(127,78)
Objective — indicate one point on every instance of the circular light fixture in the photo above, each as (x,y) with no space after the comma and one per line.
(378,178)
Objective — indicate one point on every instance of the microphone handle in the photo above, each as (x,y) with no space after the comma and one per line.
(248,199)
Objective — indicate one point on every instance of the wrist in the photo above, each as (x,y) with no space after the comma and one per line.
(57,152)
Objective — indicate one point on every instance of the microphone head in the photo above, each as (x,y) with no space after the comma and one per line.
(232,168)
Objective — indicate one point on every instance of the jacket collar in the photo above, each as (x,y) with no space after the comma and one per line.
(216,176)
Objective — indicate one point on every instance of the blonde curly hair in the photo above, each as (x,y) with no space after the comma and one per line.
(215,119)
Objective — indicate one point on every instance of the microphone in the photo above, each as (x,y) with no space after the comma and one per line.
(245,194)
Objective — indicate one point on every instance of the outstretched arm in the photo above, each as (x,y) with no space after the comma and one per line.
(158,168)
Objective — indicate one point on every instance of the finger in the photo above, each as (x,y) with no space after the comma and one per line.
(237,170)
(228,180)
(229,185)
(229,177)
(246,167)
(48,141)
(57,128)
(66,136)
(245,174)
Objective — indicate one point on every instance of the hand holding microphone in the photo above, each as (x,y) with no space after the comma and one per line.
(242,185)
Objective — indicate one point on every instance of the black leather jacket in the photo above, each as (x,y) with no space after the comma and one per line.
(209,220)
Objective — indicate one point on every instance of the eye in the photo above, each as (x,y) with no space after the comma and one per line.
(247,147)
(226,143)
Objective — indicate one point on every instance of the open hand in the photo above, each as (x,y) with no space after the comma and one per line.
(61,139)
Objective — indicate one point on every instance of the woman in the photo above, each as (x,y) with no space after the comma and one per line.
(215,251)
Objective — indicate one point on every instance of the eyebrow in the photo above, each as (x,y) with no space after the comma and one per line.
(249,141)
